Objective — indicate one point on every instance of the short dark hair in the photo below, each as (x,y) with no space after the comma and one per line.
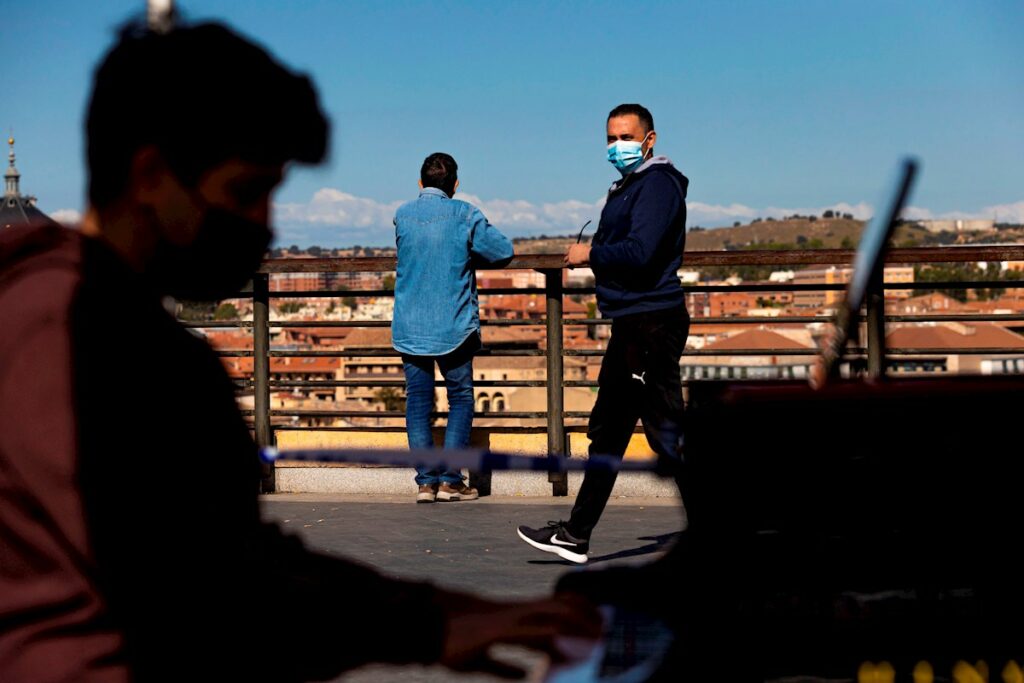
(440,170)
(646,120)
(201,94)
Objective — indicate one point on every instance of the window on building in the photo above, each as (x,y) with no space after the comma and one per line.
(499,402)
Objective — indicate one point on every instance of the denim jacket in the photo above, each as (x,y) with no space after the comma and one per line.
(440,242)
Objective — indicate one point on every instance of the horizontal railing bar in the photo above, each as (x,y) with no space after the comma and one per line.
(753,287)
(739,320)
(364,293)
(955,317)
(316,324)
(510,429)
(368,353)
(711,352)
(600,352)
(216,323)
(957,284)
(331,293)
(298,412)
(734,320)
(398,383)
(965,351)
(764,257)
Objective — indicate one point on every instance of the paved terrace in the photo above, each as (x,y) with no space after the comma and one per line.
(468,546)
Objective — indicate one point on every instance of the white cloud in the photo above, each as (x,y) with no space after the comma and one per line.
(1002,213)
(335,218)
(520,217)
(67,216)
(1005,213)
(334,207)
(714,215)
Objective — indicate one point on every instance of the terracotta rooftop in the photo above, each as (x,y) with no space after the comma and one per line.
(239,367)
(953,336)
(368,337)
(758,339)
(525,333)
(229,340)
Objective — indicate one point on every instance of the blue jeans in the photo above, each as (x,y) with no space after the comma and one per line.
(457,370)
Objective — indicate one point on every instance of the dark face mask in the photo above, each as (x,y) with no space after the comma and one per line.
(223,258)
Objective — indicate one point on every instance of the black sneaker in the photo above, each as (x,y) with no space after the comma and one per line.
(555,539)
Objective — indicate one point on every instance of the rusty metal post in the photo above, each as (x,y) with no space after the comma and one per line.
(261,372)
(876,326)
(556,399)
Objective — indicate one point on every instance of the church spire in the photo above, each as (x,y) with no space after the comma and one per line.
(11,177)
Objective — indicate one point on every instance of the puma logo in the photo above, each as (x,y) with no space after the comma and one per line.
(640,377)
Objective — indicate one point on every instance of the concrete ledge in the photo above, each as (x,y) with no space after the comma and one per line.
(398,481)
(344,478)
(490,438)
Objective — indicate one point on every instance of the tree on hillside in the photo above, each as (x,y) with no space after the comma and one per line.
(950,272)
(828,214)
(735,224)
(314,251)
(293,250)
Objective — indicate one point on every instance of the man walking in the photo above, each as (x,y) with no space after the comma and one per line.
(635,255)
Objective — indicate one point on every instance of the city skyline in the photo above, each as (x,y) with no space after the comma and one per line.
(771,109)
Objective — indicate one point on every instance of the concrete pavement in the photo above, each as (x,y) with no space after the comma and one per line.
(469,545)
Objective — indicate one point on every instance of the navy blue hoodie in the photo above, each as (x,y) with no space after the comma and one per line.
(638,247)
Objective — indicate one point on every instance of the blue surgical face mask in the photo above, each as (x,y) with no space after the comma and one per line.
(626,155)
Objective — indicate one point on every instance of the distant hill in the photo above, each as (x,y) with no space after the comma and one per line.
(793,233)
(823,233)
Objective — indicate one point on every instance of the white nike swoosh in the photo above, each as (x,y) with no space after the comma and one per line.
(554,539)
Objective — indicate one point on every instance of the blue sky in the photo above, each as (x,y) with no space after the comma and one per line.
(768,107)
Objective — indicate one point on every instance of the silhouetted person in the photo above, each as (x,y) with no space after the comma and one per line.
(131,545)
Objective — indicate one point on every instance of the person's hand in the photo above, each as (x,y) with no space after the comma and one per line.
(817,375)
(817,378)
(577,255)
(473,625)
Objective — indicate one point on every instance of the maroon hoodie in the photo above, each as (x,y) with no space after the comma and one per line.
(117,561)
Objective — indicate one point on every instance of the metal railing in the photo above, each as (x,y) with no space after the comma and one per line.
(554,322)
